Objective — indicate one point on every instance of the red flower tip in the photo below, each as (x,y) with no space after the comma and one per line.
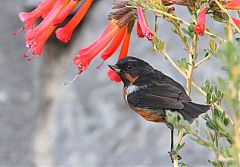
(199,28)
(28,19)
(81,62)
(86,55)
(63,35)
(143,25)
(113,76)
(233,5)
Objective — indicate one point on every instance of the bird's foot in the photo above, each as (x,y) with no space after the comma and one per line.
(173,155)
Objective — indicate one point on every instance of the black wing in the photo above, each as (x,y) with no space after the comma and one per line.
(157,97)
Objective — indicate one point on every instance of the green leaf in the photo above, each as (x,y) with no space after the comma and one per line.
(183,64)
(212,45)
(159,44)
(225,16)
(183,164)
(180,146)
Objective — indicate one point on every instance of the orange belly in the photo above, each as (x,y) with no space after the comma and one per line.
(147,115)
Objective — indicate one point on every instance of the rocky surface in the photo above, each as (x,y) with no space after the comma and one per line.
(44,123)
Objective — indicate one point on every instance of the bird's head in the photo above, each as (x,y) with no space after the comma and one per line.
(131,68)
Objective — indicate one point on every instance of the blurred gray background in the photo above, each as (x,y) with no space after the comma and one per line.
(86,124)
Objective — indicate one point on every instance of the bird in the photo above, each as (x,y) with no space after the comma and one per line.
(150,93)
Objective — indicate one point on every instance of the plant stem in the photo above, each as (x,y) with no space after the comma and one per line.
(179,33)
(156,25)
(230,33)
(202,61)
(192,57)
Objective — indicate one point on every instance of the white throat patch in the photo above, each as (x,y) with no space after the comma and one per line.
(133,88)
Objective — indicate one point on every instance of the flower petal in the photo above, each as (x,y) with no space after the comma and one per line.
(64,34)
(114,45)
(143,24)
(200,27)
(113,76)
(86,55)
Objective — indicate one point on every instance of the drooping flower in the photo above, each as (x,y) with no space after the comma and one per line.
(64,34)
(143,25)
(36,38)
(53,13)
(114,45)
(116,32)
(66,11)
(123,53)
(30,18)
(200,27)
(233,5)
(86,55)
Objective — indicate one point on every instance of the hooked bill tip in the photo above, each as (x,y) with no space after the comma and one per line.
(114,68)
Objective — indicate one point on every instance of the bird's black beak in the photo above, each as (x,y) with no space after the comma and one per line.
(115,68)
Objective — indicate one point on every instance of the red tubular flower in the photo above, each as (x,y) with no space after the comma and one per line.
(30,18)
(143,25)
(106,31)
(65,12)
(53,13)
(38,47)
(120,27)
(36,38)
(236,21)
(64,34)
(87,55)
(139,30)
(199,28)
(114,45)
(233,5)
(123,53)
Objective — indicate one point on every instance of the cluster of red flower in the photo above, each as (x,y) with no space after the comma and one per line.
(54,12)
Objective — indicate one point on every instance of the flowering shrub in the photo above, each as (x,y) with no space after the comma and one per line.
(223,134)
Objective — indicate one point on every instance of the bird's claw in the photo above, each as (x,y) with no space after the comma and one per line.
(173,154)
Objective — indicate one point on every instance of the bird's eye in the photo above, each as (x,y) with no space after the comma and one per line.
(129,67)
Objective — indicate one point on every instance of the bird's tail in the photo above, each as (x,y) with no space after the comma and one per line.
(192,110)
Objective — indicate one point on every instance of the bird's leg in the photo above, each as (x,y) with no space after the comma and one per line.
(172,133)
(172,152)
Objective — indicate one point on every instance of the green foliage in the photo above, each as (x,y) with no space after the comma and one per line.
(229,54)
(221,135)
(159,44)
(213,93)
(183,64)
